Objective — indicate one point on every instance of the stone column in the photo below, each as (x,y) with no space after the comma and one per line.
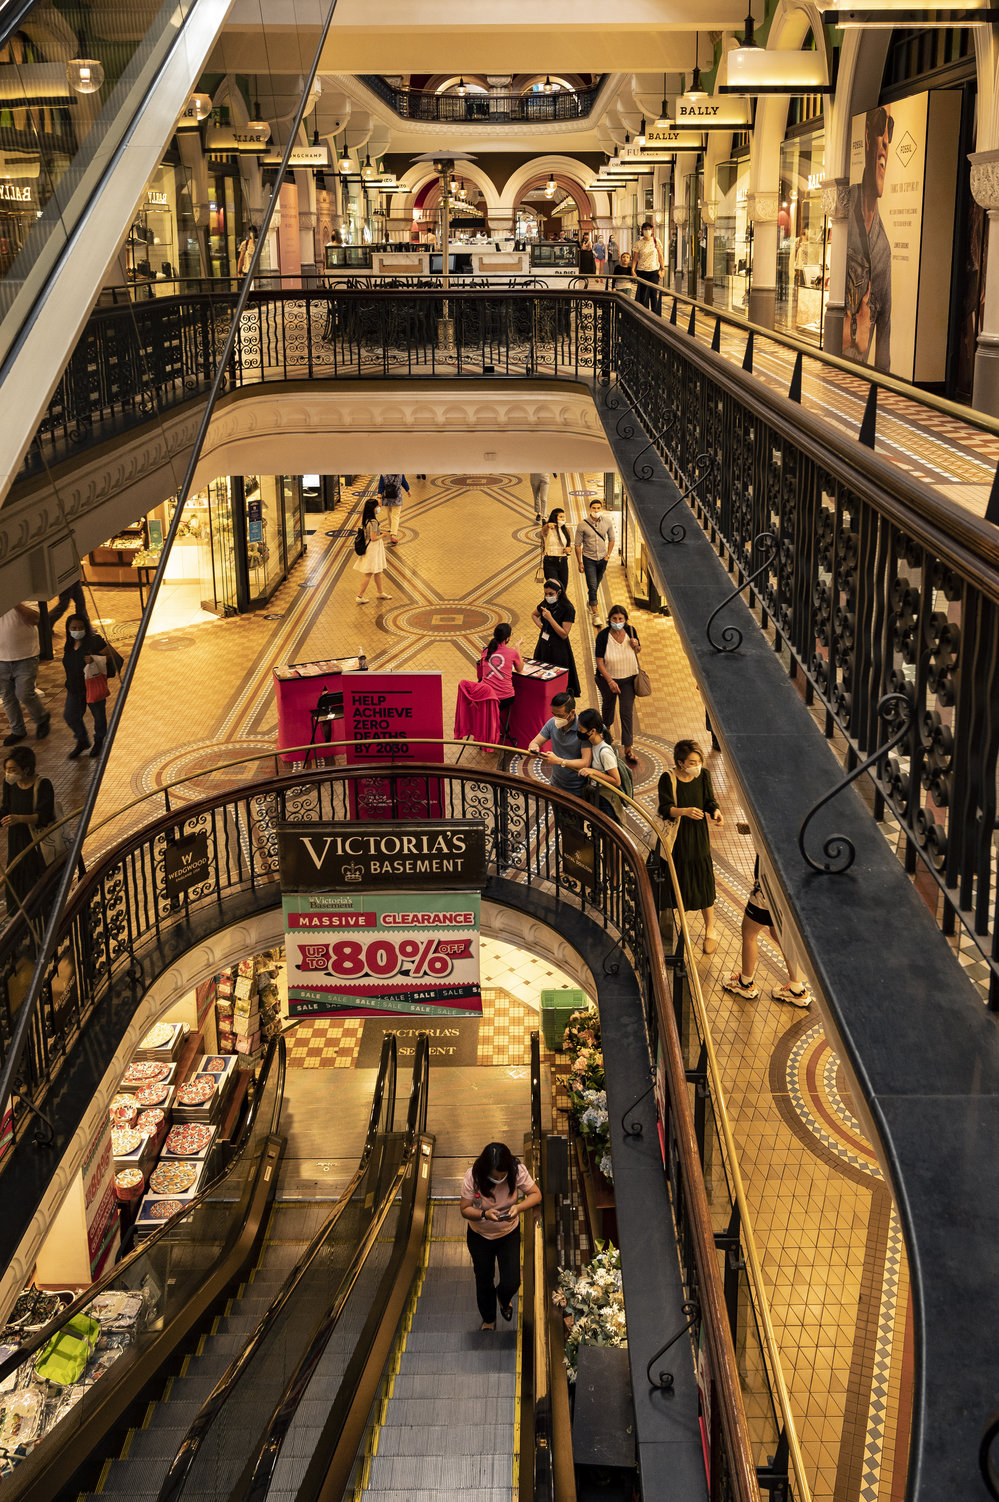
(836,207)
(709,213)
(763,209)
(985,187)
(307,220)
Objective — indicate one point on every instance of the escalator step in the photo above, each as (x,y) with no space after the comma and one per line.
(412,1412)
(450,1339)
(469,1494)
(478,1385)
(134,1478)
(199,1379)
(177,1413)
(456,1363)
(448,1475)
(444,1439)
(160,1443)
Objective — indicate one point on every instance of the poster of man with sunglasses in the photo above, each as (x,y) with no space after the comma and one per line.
(867,320)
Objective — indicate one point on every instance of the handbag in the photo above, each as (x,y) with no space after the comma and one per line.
(96,688)
(58,836)
(643,684)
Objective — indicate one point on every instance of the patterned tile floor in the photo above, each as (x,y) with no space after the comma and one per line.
(833,1262)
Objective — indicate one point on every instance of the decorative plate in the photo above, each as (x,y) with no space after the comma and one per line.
(143,1073)
(158,1036)
(20,1417)
(124,1141)
(123,1116)
(173,1178)
(122,1100)
(129,1178)
(150,1121)
(196,1091)
(152,1095)
(163,1209)
(214,1065)
(188,1137)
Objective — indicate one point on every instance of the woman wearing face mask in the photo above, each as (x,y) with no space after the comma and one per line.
(617,652)
(602,773)
(687,794)
(28,805)
(648,262)
(495,1192)
(371,562)
(556,545)
(554,618)
(84,656)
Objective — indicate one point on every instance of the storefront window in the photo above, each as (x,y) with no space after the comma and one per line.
(225,221)
(803,244)
(216,553)
(291,501)
(264,539)
(733,243)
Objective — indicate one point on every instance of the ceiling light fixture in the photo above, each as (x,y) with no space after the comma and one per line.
(548,87)
(696,92)
(367,170)
(664,122)
(344,165)
(461,90)
(84,74)
(640,138)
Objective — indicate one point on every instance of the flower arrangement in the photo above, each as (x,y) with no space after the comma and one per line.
(587,1086)
(593,1304)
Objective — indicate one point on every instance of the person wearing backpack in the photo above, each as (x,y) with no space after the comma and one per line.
(606,772)
(617,650)
(27,805)
(370,550)
(390,488)
(87,662)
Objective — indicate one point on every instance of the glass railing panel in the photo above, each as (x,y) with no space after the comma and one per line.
(72,78)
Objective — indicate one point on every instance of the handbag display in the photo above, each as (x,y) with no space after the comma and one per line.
(643,684)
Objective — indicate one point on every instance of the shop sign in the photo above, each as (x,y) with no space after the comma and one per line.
(453,1043)
(358,857)
(661,139)
(100,1207)
(185,864)
(815,181)
(254,521)
(14,193)
(728,112)
(301,156)
(382,953)
(225,139)
(393,718)
(577,850)
(156,199)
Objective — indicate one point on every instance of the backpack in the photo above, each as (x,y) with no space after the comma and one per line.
(360,542)
(600,793)
(392,489)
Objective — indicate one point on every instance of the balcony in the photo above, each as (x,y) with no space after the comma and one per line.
(484,109)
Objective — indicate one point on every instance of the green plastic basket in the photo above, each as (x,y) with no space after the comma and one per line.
(556,1009)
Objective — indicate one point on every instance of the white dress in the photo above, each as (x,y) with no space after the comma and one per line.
(373,560)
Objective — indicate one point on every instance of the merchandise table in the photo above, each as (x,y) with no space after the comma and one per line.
(533,691)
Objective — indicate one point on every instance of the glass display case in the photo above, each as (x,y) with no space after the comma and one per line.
(348,257)
(555,255)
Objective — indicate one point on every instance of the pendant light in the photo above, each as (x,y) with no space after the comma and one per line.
(548,87)
(550,186)
(344,165)
(640,138)
(664,122)
(84,74)
(696,93)
(462,88)
(367,170)
(258,127)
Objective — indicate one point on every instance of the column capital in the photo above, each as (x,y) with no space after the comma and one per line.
(709,210)
(307,219)
(836,197)
(763,208)
(985,177)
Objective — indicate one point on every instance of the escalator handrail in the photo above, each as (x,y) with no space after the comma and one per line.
(533,1394)
(276,1047)
(256,1483)
(176,1478)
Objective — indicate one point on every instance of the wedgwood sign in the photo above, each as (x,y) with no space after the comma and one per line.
(447,855)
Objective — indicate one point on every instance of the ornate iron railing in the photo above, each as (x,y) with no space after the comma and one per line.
(135,362)
(120,924)
(876,586)
(484,109)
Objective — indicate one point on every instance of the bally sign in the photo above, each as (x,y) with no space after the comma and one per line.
(657,139)
(361,857)
(733,112)
(185,864)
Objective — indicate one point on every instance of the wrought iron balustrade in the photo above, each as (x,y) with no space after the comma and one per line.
(483,109)
(121,926)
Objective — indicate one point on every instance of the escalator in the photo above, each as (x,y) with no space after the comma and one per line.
(83,136)
(242,1226)
(429,1406)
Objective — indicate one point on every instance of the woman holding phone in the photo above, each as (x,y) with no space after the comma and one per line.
(494,1193)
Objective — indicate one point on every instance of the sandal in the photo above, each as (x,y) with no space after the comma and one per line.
(486,1326)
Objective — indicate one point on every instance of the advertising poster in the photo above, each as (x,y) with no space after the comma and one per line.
(900,227)
(99,1203)
(394,717)
(375,953)
(447,855)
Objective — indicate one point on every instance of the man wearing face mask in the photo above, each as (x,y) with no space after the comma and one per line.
(568,751)
(594,544)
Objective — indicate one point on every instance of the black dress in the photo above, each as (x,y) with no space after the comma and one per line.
(557,650)
(692,848)
(19,800)
(587,261)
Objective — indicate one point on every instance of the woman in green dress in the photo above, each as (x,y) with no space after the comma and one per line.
(686,794)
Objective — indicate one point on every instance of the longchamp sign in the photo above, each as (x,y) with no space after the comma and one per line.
(434,854)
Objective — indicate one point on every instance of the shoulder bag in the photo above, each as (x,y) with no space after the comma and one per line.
(58,838)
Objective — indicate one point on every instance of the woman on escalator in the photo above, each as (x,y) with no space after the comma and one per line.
(494,1193)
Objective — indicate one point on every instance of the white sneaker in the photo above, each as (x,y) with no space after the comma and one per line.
(802,999)
(362,599)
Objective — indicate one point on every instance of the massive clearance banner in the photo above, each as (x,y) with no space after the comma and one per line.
(375,954)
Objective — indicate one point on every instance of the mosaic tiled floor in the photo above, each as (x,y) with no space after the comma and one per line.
(832,1257)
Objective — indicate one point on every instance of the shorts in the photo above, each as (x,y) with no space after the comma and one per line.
(760,915)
